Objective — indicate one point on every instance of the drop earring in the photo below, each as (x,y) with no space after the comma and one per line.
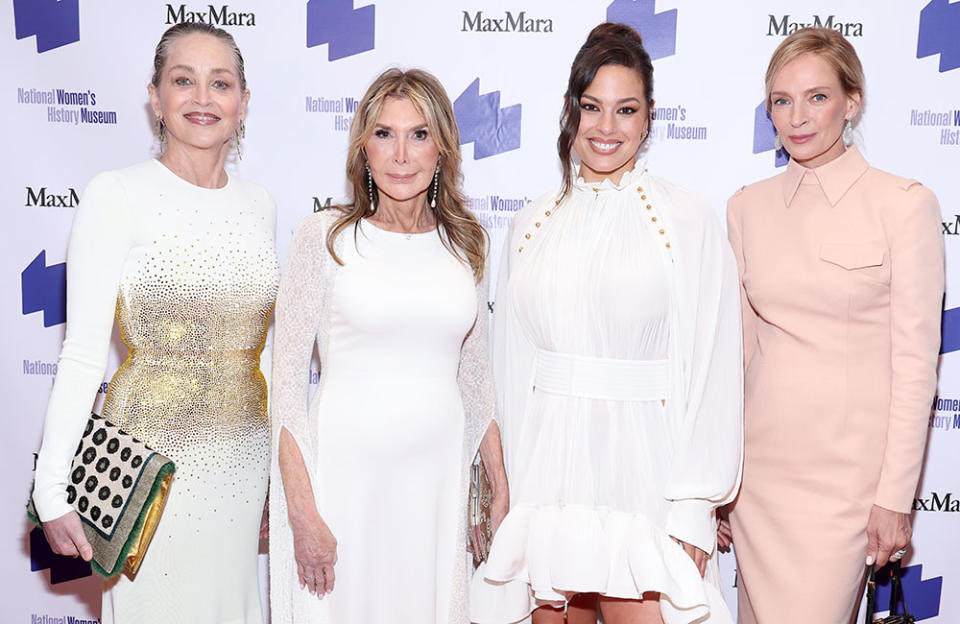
(240,132)
(436,185)
(161,130)
(848,133)
(777,143)
(370,188)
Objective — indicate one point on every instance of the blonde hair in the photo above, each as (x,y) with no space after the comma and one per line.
(461,233)
(829,45)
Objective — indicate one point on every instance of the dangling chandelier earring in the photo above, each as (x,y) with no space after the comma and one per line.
(777,143)
(161,130)
(848,134)
(241,133)
(370,187)
(436,185)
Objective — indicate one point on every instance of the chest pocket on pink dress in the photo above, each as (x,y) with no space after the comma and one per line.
(863,261)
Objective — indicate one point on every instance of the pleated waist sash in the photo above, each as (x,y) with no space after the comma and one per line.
(601,378)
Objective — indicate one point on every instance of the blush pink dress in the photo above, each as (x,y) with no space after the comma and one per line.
(842,276)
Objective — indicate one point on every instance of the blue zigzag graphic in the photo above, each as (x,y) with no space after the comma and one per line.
(923,596)
(349,31)
(950,331)
(55,22)
(939,33)
(44,288)
(491,129)
(62,569)
(764,133)
(659,30)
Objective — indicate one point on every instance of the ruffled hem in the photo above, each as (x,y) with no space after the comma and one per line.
(558,552)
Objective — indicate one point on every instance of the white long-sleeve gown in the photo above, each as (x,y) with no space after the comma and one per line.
(405,394)
(191,274)
(597,482)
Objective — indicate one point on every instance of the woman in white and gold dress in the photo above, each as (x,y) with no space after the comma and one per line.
(185,255)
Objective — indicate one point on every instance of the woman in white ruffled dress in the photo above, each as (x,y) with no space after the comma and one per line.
(618,366)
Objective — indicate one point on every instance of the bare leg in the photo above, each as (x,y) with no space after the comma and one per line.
(582,609)
(624,611)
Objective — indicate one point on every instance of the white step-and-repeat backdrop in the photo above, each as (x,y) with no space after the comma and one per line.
(73,102)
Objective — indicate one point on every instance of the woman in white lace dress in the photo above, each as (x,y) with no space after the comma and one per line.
(370,478)
(617,361)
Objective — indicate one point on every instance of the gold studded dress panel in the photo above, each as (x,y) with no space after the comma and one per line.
(193,307)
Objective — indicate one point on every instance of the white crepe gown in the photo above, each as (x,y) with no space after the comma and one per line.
(391,426)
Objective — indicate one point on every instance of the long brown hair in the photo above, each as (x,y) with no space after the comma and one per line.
(461,233)
(609,43)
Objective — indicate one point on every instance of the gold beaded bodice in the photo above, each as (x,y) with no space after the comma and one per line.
(193,309)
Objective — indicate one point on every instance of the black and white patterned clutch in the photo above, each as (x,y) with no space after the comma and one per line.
(118,486)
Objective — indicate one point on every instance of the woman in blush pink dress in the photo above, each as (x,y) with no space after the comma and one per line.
(841,267)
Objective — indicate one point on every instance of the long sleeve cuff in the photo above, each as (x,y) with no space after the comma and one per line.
(50,500)
(693,520)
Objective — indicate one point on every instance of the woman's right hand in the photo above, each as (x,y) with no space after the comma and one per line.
(315,550)
(65,536)
(724,532)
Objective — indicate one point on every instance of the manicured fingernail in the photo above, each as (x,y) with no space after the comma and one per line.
(869,559)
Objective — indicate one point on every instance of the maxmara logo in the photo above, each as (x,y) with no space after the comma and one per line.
(478,21)
(937,502)
(218,16)
(43,197)
(784,25)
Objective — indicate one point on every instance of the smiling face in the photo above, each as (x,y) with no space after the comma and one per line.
(199,96)
(614,120)
(809,108)
(401,153)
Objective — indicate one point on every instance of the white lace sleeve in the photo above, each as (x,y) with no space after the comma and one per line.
(475,376)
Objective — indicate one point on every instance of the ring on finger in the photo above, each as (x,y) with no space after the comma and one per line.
(898,555)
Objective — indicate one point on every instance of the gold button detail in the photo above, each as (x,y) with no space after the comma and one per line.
(640,188)
(643,197)
(649,207)
(662,231)
(654,219)
(596,190)
(519,250)
(557,203)
(537,224)
(548,213)
(668,245)
(527,236)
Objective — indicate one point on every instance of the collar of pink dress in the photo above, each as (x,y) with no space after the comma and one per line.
(835,178)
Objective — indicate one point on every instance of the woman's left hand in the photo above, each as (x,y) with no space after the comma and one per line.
(699,557)
(887,532)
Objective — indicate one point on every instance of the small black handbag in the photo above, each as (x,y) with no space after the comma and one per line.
(896,596)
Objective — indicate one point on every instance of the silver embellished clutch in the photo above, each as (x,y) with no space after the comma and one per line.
(118,486)
(479,528)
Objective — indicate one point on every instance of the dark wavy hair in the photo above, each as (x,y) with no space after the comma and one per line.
(609,43)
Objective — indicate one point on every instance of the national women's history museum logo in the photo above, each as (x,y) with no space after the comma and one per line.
(55,23)
(44,289)
(491,129)
(923,594)
(67,106)
(764,134)
(950,330)
(347,30)
(939,33)
(659,30)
